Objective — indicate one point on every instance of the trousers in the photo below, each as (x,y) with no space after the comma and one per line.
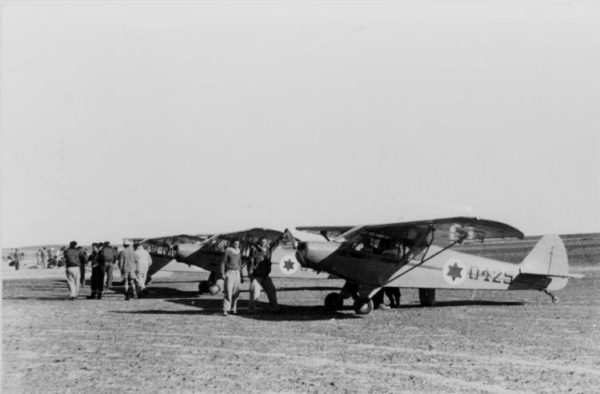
(108,271)
(130,282)
(231,292)
(73,281)
(97,280)
(259,283)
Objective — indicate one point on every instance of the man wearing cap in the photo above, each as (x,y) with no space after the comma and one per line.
(144,261)
(73,260)
(128,267)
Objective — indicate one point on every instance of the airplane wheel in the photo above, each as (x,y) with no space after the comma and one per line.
(427,297)
(214,290)
(363,306)
(333,302)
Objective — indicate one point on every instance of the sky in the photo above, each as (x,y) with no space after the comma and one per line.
(149,118)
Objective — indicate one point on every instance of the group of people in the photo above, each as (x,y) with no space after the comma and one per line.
(133,266)
(259,269)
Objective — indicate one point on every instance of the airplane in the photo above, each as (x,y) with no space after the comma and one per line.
(206,252)
(418,254)
(162,249)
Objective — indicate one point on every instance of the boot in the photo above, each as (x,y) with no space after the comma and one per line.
(91,296)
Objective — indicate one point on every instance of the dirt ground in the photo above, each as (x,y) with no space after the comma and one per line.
(177,341)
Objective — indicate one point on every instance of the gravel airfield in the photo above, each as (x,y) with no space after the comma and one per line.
(177,341)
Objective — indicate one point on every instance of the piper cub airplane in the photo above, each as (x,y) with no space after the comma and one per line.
(418,255)
(207,253)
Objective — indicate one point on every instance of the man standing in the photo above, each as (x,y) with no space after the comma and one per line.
(97,279)
(44,257)
(73,259)
(231,267)
(82,267)
(108,257)
(144,262)
(258,271)
(17,259)
(128,267)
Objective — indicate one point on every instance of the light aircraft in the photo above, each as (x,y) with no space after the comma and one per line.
(418,255)
(207,252)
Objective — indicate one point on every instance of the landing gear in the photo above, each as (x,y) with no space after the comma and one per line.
(427,297)
(334,302)
(554,298)
(363,306)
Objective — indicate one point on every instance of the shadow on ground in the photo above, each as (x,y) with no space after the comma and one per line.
(214,307)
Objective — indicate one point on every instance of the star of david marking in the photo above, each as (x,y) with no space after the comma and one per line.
(288,265)
(454,271)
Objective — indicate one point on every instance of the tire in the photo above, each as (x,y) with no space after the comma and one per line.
(214,290)
(333,302)
(363,306)
(427,297)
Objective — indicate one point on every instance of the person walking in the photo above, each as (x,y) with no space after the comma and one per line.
(73,260)
(109,258)
(128,267)
(97,279)
(258,271)
(231,266)
(144,262)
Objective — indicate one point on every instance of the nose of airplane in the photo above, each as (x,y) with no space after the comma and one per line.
(182,251)
(312,253)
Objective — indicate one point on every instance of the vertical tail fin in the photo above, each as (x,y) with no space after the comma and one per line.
(549,259)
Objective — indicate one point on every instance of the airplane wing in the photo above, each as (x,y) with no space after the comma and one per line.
(326,231)
(162,250)
(446,229)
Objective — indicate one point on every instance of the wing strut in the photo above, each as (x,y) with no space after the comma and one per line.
(425,259)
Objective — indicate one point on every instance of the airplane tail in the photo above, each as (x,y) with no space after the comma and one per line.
(546,267)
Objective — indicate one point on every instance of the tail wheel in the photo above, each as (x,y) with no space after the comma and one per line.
(363,306)
(333,302)
(427,297)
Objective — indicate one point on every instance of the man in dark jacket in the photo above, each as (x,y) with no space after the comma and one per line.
(97,279)
(73,260)
(259,269)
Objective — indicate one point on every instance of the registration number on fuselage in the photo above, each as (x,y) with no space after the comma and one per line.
(486,275)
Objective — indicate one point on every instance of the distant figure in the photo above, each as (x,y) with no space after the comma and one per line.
(97,279)
(144,261)
(258,271)
(16,259)
(38,258)
(82,267)
(392,293)
(44,257)
(231,266)
(109,258)
(73,259)
(128,267)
